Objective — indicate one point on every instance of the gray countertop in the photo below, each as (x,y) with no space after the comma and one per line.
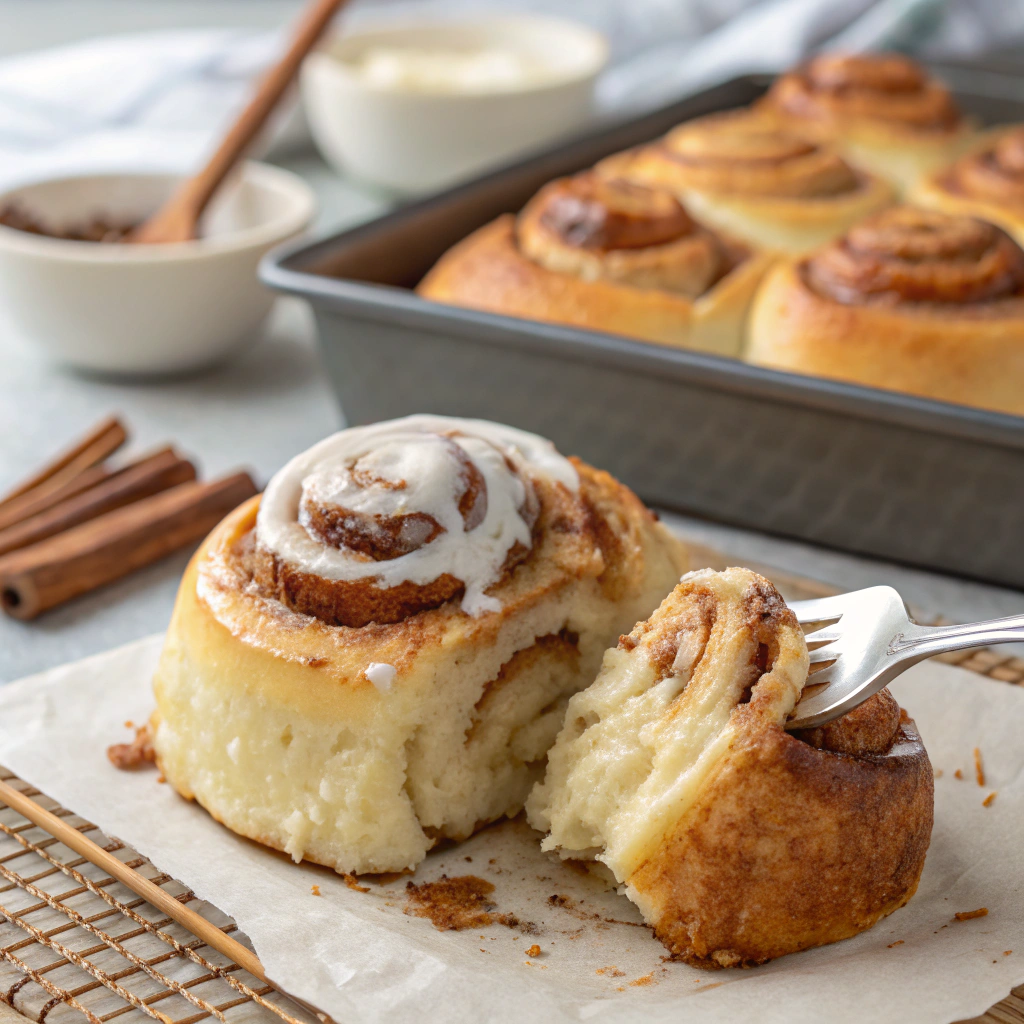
(267,403)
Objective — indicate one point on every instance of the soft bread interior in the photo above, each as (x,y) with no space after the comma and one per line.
(639,743)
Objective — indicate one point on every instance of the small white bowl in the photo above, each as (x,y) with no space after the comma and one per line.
(415,141)
(145,309)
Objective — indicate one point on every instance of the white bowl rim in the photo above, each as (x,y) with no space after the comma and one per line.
(547,23)
(291,186)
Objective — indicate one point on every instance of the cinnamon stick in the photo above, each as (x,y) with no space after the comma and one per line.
(104,439)
(154,473)
(104,549)
(33,502)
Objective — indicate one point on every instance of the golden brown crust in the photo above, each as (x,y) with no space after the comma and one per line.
(489,271)
(988,183)
(822,844)
(886,87)
(936,310)
(870,728)
(743,174)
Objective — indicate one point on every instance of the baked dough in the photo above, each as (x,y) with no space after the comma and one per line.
(883,110)
(742,174)
(987,183)
(910,300)
(610,256)
(361,745)
(738,841)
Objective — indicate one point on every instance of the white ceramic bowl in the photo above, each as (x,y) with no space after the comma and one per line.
(145,309)
(417,141)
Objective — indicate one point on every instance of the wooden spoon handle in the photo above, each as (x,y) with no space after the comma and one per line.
(177,219)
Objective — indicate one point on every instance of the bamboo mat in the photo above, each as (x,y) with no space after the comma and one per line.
(76,944)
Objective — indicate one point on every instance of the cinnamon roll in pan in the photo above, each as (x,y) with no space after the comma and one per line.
(738,841)
(377,654)
(987,183)
(742,174)
(611,256)
(883,110)
(910,300)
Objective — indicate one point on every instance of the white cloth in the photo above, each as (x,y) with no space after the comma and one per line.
(155,101)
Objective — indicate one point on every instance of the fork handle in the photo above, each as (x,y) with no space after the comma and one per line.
(926,641)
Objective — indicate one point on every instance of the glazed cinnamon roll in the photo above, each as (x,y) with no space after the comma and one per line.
(987,183)
(909,300)
(377,654)
(738,841)
(883,110)
(743,175)
(607,255)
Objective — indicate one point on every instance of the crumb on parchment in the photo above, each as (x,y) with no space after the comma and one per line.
(315,890)
(979,767)
(989,800)
(958,774)
(534,950)
(968,915)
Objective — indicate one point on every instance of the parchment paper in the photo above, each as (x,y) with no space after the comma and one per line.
(359,957)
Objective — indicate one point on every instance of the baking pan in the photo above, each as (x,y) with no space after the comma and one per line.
(876,473)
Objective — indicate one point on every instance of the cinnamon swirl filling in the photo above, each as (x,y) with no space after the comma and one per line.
(995,173)
(379,523)
(593,228)
(909,255)
(885,87)
(734,154)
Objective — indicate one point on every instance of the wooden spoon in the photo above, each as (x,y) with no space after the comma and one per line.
(177,219)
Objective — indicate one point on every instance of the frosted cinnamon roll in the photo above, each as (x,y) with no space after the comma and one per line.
(987,183)
(883,110)
(740,174)
(738,841)
(608,255)
(909,300)
(377,654)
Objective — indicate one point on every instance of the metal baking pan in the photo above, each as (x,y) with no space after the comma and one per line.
(855,468)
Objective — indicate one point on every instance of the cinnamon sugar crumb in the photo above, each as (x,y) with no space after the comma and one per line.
(315,890)
(353,883)
(938,773)
(990,799)
(647,979)
(534,950)
(161,779)
(1007,952)
(979,768)
(130,756)
(898,942)
(612,972)
(968,915)
(958,774)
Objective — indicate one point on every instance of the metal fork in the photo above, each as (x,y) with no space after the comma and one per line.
(866,639)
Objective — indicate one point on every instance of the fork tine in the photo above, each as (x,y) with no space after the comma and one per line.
(819,608)
(824,636)
(828,653)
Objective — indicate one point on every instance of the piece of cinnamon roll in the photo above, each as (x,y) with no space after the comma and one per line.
(909,300)
(377,654)
(988,183)
(882,110)
(611,256)
(738,841)
(741,174)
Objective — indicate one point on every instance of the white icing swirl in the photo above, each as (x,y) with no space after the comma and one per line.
(406,466)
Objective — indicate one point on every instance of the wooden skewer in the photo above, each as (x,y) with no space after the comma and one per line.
(177,219)
(140,885)
(104,439)
(156,472)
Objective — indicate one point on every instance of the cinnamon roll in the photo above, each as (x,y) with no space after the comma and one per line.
(738,841)
(909,300)
(883,110)
(377,654)
(741,174)
(988,183)
(611,256)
